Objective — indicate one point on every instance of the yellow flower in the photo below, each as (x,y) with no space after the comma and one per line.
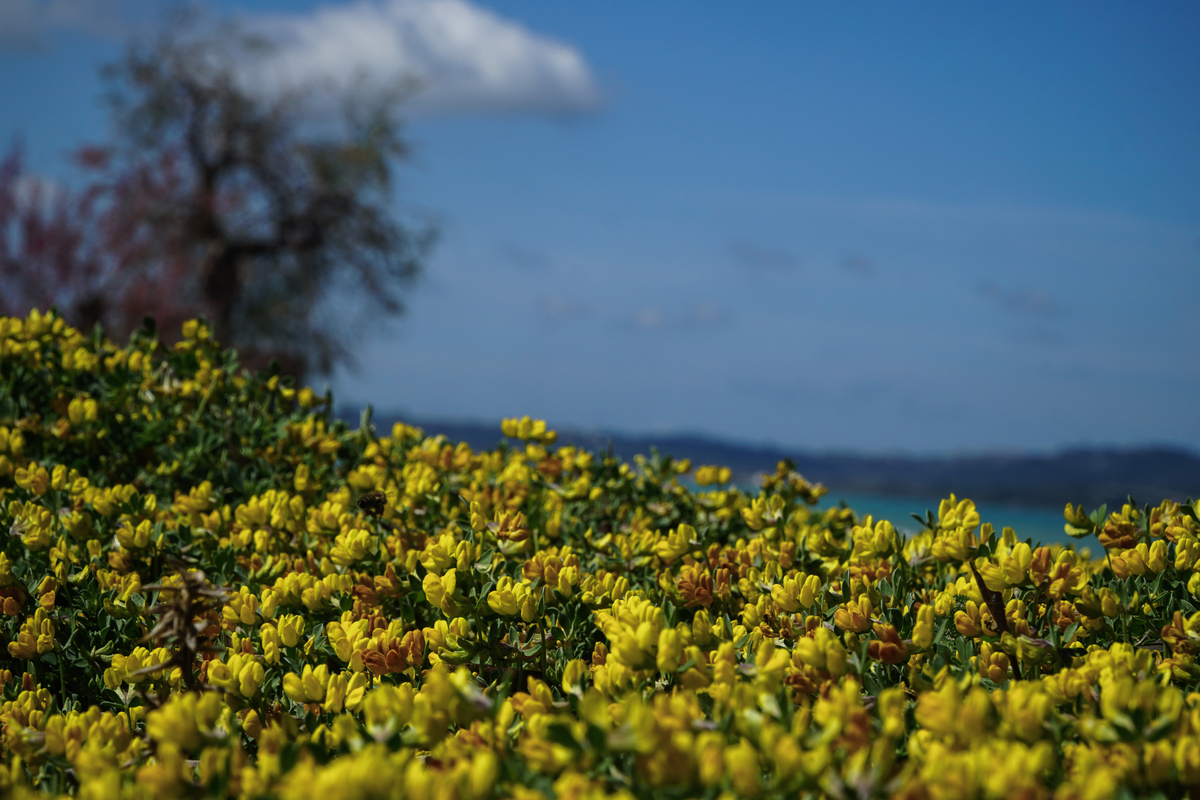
(510,597)
(745,773)
(823,651)
(529,430)
(35,637)
(763,512)
(269,636)
(954,513)
(969,622)
(185,718)
(573,675)
(923,628)
(345,691)
(949,713)
(1015,563)
(708,474)
(309,686)
(670,647)
(796,593)
(855,616)
(676,543)
(291,627)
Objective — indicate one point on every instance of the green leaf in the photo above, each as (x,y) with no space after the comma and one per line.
(561,735)
(941,634)
(596,739)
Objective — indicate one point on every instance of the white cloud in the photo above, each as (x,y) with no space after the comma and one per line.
(463,58)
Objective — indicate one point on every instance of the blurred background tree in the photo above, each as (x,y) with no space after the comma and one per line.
(223,192)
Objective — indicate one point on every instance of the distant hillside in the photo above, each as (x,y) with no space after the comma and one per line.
(1088,476)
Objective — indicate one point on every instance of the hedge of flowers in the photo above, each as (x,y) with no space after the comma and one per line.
(211,587)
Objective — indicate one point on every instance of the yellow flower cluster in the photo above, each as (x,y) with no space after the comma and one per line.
(214,588)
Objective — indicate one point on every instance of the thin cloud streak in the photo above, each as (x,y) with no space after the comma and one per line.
(25,24)
(524,258)
(1025,302)
(560,309)
(857,264)
(753,256)
(652,319)
(1062,219)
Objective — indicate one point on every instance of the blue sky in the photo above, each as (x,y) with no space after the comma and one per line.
(923,227)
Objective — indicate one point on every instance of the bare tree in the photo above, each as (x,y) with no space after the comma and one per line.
(268,211)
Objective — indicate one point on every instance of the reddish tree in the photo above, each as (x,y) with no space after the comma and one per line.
(47,253)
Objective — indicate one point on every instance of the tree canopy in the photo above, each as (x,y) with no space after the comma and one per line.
(266,208)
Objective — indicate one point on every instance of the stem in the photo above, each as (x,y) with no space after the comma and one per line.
(542,628)
(62,683)
(212,384)
(1049,618)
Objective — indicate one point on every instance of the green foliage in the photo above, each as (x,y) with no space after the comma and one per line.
(213,588)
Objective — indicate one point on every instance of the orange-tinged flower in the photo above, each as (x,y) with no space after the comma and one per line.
(887,648)
(992,664)
(854,616)
(696,586)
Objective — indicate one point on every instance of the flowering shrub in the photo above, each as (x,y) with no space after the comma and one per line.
(213,588)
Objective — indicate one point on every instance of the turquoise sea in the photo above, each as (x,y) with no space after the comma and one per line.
(1041,525)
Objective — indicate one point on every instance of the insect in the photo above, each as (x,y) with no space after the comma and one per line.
(373,502)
